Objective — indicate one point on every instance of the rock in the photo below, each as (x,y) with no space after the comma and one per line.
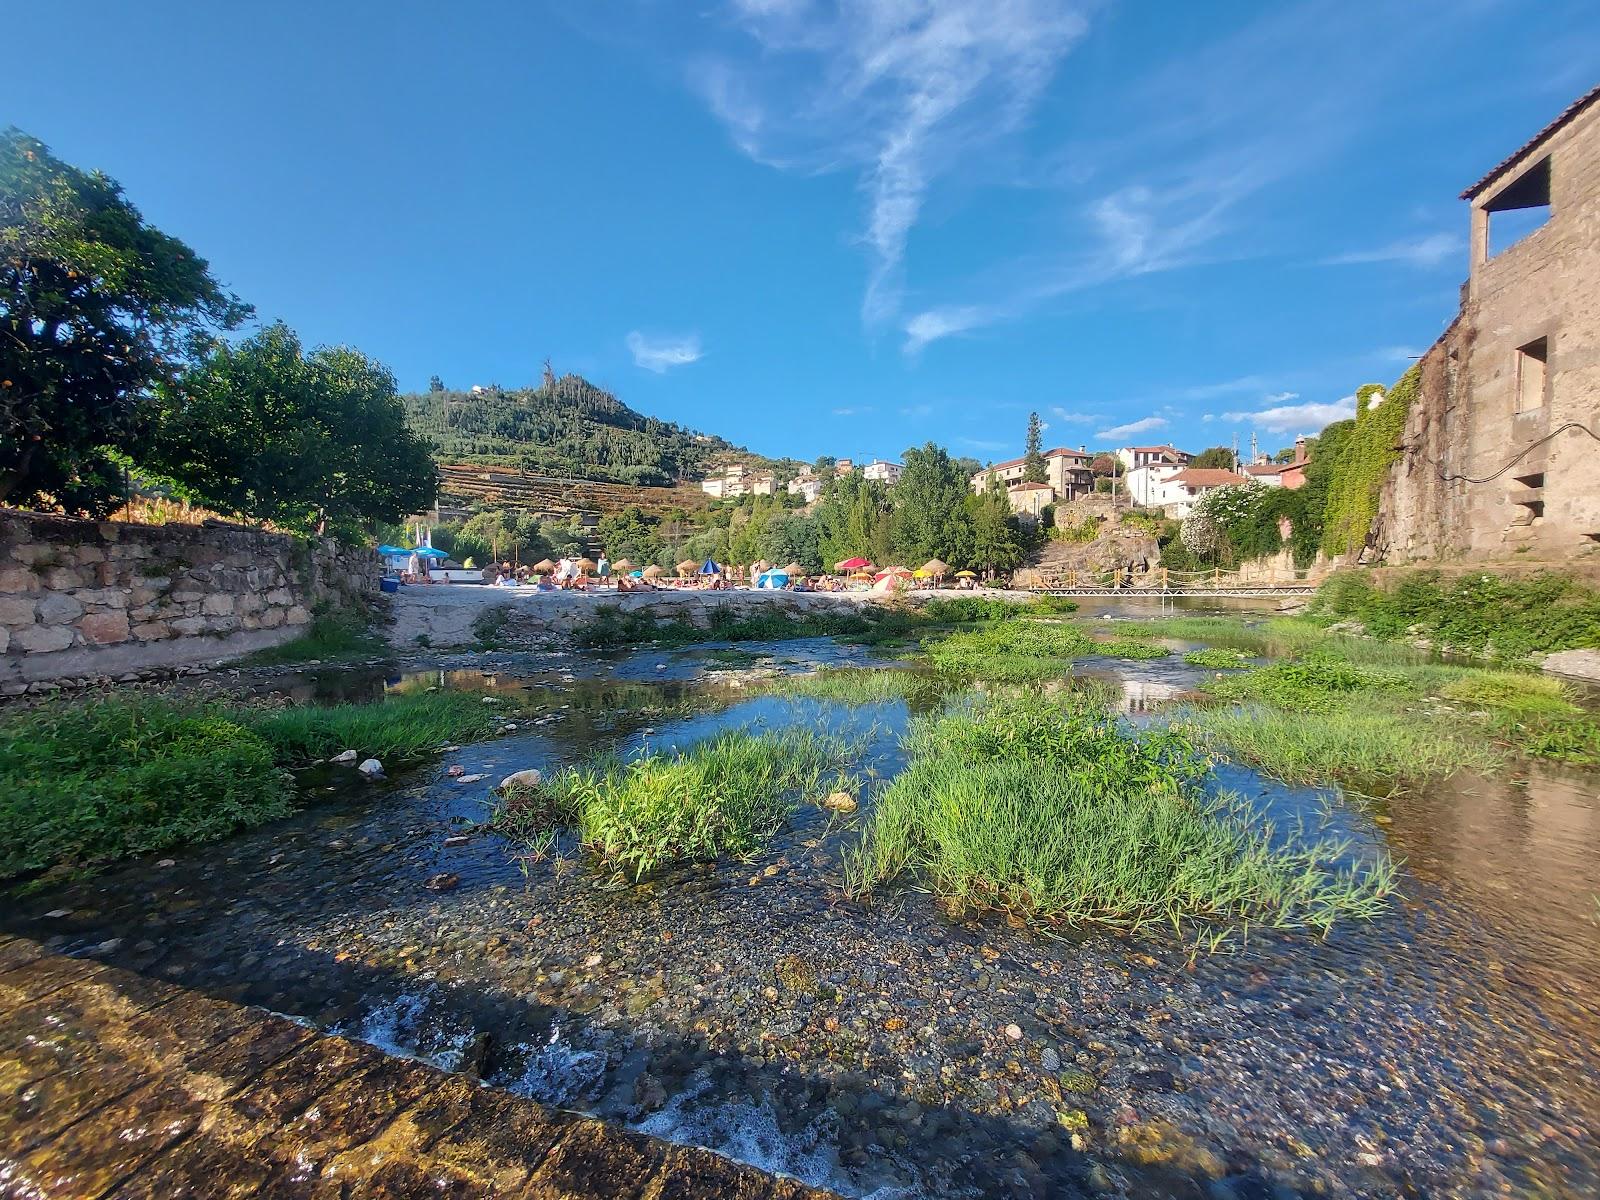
(471,778)
(648,1093)
(55,914)
(459,839)
(444,881)
(1050,1060)
(1014,1032)
(492,700)
(1577,664)
(528,778)
(842,802)
(166,862)
(456,771)
(371,769)
(1077,1081)
(344,756)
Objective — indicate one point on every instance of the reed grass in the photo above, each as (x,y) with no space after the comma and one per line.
(726,795)
(1054,812)
(1315,685)
(1276,637)
(401,728)
(1027,651)
(329,638)
(1218,658)
(863,685)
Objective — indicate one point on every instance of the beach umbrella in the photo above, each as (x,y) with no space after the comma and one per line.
(853,564)
(897,572)
(966,574)
(709,567)
(388,549)
(427,552)
(635,574)
(793,569)
(652,572)
(543,567)
(623,564)
(935,567)
(686,567)
(921,573)
(585,565)
(771,578)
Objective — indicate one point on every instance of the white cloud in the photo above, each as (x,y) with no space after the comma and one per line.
(900,91)
(1297,418)
(1073,418)
(661,354)
(853,411)
(917,410)
(1427,251)
(1143,425)
(936,323)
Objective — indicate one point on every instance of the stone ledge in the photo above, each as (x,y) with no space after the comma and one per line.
(113,1084)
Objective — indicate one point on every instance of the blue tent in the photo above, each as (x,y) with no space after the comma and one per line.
(772,579)
(710,568)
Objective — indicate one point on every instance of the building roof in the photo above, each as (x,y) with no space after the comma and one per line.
(1057,452)
(1173,450)
(1533,143)
(1030,487)
(1268,468)
(1207,477)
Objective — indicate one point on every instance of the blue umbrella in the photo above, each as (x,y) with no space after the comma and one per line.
(772,579)
(636,574)
(710,568)
(427,552)
(387,549)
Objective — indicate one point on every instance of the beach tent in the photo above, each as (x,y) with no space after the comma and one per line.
(709,567)
(772,578)
(853,564)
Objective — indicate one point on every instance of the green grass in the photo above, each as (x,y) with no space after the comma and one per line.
(726,795)
(1311,686)
(1219,658)
(1027,651)
(862,685)
(93,780)
(1055,812)
(1276,637)
(401,728)
(329,638)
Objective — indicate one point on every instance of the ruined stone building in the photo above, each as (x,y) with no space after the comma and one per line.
(1500,451)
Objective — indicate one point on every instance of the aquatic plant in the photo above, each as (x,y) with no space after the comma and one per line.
(1053,811)
(1312,685)
(1218,658)
(862,685)
(89,780)
(725,795)
(329,638)
(1276,637)
(399,728)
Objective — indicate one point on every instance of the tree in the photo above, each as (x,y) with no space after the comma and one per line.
(1105,466)
(930,513)
(312,442)
(824,464)
(435,384)
(1216,458)
(1033,464)
(96,306)
(996,533)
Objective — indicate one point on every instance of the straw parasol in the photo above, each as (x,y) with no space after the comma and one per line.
(622,564)
(794,569)
(935,567)
(543,567)
(586,565)
(687,568)
(653,572)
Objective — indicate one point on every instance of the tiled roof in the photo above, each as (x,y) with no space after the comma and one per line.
(1058,452)
(1031,487)
(1207,477)
(1157,450)
(1533,143)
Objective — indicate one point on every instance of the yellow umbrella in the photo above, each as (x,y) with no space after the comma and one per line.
(966,575)
(585,565)
(922,573)
(543,567)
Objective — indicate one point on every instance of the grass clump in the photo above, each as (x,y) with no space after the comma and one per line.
(1013,652)
(95,780)
(726,795)
(329,638)
(862,685)
(1054,812)
(1219,658)
(967,610)
(1276,637)
(1316,685)
(400,728)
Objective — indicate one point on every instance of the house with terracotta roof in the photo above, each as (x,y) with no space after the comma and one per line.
(1133,457)
(1066,471)
(1189,484)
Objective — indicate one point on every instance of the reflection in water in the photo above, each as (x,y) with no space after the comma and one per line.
(1448,1048)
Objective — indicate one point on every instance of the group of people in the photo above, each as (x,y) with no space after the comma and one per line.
(567,575)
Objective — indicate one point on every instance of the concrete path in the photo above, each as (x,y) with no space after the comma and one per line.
(114,1085)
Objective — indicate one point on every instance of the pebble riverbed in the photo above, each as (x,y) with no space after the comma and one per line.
(880,1047)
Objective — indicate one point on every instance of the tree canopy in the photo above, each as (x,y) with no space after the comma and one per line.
(1215,458)
(314,442)
(96,307)
(1033,464)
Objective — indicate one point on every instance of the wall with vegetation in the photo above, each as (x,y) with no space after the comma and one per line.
(101,598)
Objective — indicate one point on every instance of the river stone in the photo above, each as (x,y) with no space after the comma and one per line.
(529,778)
(1578,664)
(842,802)
(371,769)
(344,756)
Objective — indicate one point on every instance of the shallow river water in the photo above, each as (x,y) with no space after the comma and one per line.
(1448,1048)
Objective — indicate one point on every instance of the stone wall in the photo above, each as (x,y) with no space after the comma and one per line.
(96,598)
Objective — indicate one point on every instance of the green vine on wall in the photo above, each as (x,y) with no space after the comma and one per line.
(1364,460)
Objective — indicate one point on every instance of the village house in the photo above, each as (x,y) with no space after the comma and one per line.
(1188,485)
(884,472)
(1498,450)
(1134,457)
(807,487)
(739,480)
(843,466)
(1029,500)
(1066,471)
(1289,475)
(1147,485)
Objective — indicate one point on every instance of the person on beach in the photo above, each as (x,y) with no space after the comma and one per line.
(602,569)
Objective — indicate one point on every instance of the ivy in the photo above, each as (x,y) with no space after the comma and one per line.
(1372,447)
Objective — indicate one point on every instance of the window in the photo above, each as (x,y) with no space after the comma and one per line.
(1531,361)
(1519,208)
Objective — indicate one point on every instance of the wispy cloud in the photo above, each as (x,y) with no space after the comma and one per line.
(1143,425)
(981,444)
(1072,418)
(661,354)
(859,410)
(917,410)
(1427,251)
(1310,417)
(899,92)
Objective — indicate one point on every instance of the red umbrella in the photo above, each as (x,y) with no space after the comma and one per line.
(900,571)
(853,564)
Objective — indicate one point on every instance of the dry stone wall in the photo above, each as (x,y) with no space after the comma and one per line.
(93,598)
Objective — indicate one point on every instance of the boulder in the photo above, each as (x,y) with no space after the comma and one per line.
(344,756)
(529,778)
(371,769)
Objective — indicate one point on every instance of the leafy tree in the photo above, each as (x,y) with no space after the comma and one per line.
(435,384)
(1105,466)
(630,534)
(853,520)
(824,464)
(1033,464)
(931,519)
(313,442)
(996,533)
(96,306)
(1215,458)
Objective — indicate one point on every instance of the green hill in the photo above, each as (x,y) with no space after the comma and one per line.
(567,427)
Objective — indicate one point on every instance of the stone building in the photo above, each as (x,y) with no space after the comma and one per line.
(1501,449)
(1066,471)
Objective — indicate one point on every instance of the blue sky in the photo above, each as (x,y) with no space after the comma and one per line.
(840,227)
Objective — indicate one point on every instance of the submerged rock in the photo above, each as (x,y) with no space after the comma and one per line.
(371,769)
(344,757)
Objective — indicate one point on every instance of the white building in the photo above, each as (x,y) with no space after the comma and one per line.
(883,472)
(1030,499)
(1132,457)
(807,486)
(738,480)
(1188,485)
(1149,485)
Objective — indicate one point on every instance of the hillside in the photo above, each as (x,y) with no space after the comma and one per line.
(568,428)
